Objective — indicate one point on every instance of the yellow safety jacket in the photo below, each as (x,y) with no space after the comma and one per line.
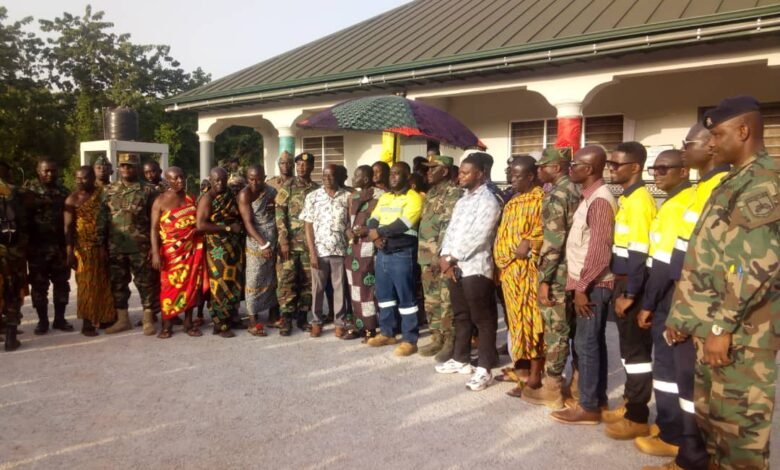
(663,236)
(691,215)
(636,210)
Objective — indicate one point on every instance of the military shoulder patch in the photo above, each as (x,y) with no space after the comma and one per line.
(760,206)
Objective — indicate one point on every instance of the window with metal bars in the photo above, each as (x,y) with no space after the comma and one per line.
(327,150)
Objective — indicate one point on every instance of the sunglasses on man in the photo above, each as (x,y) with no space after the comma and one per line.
(661,170)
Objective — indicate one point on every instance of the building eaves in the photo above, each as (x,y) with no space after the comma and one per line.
(190,99)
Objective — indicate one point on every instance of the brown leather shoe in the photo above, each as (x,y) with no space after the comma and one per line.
(316,330)
(339,331)
(613,415)
(626,429)
(576,415)
(405,349)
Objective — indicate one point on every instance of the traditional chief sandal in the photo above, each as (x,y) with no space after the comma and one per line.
(165,333)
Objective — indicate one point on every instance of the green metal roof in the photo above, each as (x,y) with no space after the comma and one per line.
(426,33)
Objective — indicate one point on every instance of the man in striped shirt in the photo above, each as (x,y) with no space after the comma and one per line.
(588,254)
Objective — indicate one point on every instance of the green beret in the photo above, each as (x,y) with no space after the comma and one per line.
(101,161)
(304,157)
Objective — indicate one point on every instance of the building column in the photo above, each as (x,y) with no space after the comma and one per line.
(206,154)
(569,125)
(286,140)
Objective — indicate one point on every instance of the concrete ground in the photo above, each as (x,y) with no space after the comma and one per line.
(130,401)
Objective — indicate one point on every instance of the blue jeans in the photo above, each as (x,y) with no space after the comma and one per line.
(591,346)
(394,288)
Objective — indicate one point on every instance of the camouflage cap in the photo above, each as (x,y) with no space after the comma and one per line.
(439,160)
(552,155)
(304,157)
(729,108)
(101,161)
(128,158)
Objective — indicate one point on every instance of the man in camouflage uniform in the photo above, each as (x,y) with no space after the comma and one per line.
(153,176)
(439,202)
(127,206)
(13,269)
(728,296)
(286,166)
(293,270)
(45,201)
(555,303)
(103,171)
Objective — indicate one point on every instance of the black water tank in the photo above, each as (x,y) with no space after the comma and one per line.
(120,124)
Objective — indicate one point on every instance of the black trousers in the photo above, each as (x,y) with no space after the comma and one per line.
(636,350)
(667,399)
(693,452)
(473,301)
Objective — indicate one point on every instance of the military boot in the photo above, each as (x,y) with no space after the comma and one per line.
(59,318)
(11,343)
(548,394)
(149,328)
(430,349)
(43,320)
(447,348)
(122,322)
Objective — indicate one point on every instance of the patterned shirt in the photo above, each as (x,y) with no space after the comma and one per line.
(329,216)
(469,237)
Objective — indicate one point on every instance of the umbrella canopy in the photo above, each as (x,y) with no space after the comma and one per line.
(398,115)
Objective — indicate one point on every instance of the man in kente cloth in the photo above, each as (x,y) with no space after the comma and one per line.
(220,221)
(257,206)
(87,255)
(177,252)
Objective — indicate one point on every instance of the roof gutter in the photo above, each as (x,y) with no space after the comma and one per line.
(689,36)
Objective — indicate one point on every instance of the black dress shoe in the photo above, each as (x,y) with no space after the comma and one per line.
(62,326)
(41,328)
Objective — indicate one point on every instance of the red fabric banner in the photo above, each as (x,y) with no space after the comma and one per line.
(569,133)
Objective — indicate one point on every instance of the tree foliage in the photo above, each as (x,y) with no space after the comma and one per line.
(53,92)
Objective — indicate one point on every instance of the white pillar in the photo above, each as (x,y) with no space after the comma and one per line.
(164,161)
(206,154)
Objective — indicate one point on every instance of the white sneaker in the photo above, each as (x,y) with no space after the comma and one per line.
(454,367)
(480,380)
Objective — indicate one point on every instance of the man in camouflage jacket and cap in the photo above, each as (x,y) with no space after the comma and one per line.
(437,211)
(45,201)
(13,248)
(728,296)
(293,270)
(556,306)
(125,227)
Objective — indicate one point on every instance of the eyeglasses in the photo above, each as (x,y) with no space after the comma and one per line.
(661,170)
(615,166)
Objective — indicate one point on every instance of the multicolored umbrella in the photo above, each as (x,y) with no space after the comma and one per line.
(398,115)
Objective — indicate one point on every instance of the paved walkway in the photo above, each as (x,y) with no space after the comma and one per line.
(130,401)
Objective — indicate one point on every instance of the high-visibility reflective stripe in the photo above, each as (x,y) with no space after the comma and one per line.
(687,406)
(639,247)
(662,256)
(681,245)
(691,217)
(408,310)
(622,252)
(649,262)
(642,368)
(391,303)
(668,387)
(622,228)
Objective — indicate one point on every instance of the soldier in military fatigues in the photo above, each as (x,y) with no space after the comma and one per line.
(286,166)
(437,211)
(45,203)
(13,269)
(556,306)
(127,206)
(728,296)
(103,171)
(293,273)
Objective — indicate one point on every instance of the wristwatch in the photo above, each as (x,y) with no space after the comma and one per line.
(716,330)
(629,296)
(449,259)
(227,228)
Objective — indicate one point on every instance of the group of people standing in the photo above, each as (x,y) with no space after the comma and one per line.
(693,285)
